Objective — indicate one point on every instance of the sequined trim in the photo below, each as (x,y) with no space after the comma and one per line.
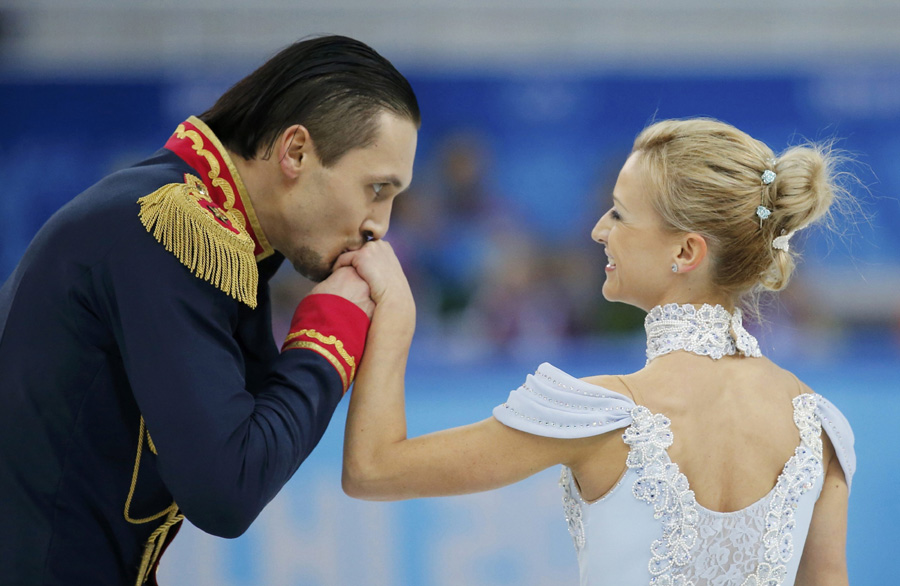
(709,331)
(840,445)
(574,504)
(572,509)
(549,423)
(766,575)
(799,475)
(528,388)
(569,387)
(663,486)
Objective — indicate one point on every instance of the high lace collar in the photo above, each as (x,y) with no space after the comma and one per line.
(708,331)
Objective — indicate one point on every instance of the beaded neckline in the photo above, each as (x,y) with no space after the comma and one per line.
(708,331)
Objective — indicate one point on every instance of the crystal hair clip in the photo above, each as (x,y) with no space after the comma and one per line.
(782,242)
(762,212)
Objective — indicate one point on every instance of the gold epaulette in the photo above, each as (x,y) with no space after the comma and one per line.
(205,237)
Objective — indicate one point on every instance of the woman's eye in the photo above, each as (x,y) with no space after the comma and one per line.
(614,215)
(377,188)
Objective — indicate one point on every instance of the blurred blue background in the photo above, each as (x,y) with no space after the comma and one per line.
(529,110)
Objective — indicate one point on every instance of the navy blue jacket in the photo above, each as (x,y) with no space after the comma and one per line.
(126,378)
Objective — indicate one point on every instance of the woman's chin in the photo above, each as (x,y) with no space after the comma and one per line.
(607,292)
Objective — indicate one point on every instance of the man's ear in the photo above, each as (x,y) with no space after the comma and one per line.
(693,251)
(292,148)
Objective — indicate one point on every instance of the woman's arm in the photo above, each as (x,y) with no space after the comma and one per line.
(824,561)
(380,463)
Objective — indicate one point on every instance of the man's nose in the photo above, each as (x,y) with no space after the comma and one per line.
(376,225)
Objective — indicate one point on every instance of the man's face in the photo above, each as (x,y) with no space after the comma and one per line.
(334,209)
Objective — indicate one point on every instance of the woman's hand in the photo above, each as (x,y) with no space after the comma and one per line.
(377,264)
(345,283)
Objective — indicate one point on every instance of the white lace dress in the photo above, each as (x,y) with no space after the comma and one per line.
(649,529)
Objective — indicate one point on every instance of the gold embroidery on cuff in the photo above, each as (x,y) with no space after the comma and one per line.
(325,353)
(327,340)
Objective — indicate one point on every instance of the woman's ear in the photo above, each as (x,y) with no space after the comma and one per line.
(693,251)
(292,146)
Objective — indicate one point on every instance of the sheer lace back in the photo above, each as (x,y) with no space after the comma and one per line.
(649,529)
(700,547)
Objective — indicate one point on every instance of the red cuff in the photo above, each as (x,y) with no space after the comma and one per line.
(333,327)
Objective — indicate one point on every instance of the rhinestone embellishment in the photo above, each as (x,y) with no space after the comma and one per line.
(708,331)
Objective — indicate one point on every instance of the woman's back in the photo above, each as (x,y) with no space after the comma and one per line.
(709,518)
(732,422)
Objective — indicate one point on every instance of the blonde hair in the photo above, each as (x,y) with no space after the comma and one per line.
(705,176)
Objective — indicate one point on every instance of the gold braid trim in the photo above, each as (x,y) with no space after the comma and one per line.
(214,168)
(326,354)
(327,340)
(211,251)
(157,539)
(154,546)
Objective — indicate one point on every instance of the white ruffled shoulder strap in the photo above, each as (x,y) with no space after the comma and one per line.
(838,429)
(552,403)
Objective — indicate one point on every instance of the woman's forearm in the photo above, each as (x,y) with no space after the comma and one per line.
(376,420)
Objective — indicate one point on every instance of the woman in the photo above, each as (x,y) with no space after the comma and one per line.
(723,474)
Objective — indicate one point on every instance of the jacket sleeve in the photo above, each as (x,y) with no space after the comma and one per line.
(223,452)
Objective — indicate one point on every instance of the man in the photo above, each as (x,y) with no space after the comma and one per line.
(140,381)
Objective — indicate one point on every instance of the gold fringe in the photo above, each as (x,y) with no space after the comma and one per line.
(212,252)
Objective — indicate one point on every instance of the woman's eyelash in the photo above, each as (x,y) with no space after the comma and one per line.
(615,215)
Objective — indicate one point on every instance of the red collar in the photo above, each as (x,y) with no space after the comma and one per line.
(197,146)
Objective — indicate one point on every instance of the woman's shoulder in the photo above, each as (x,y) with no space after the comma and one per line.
(554,403)
(603,386)
(611,382)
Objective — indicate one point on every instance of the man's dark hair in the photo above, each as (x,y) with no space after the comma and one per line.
(334,86)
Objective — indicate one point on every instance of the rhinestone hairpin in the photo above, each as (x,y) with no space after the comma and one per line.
(762,212)
(782,242)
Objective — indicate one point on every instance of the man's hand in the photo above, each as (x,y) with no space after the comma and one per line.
(346,283)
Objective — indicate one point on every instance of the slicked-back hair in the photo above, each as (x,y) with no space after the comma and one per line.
(334,86)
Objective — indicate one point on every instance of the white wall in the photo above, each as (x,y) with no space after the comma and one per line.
(165,34)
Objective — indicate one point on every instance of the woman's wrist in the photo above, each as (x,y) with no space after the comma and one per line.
(397,315)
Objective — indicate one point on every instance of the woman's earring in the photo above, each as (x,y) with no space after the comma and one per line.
(674,267)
